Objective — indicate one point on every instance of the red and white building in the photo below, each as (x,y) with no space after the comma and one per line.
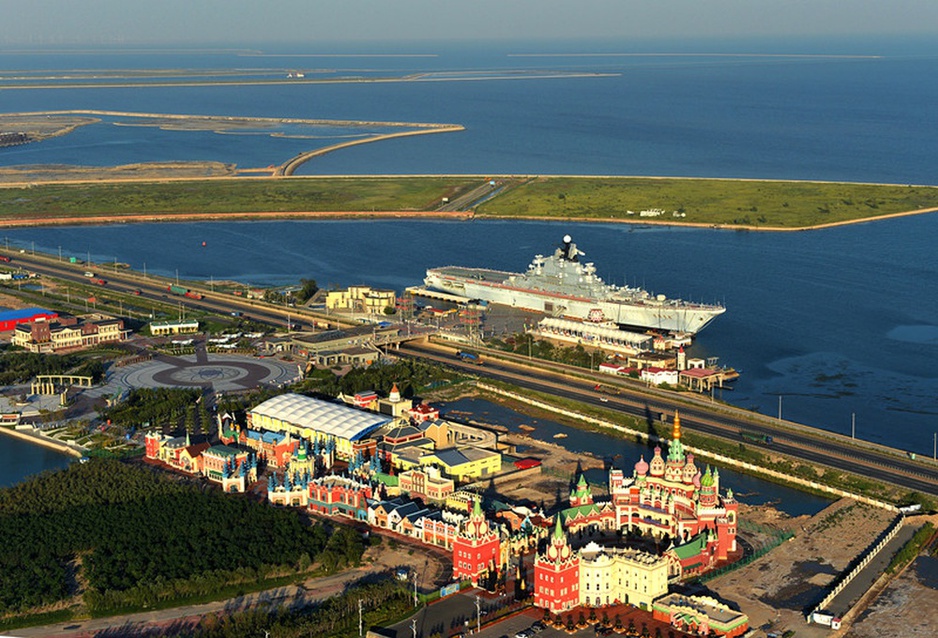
(423,412)
(476,549)
(657,376)
(557,575)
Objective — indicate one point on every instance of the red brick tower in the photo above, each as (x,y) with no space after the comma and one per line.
(557,574)
(475,548)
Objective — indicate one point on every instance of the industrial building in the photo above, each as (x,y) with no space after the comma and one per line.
(9,319)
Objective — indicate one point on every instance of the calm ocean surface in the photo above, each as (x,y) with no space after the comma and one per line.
(19,459)
(837,322)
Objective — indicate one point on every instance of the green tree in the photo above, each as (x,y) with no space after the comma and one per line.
(308,288)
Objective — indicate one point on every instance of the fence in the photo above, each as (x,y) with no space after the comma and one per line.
(776,538)
(870,555)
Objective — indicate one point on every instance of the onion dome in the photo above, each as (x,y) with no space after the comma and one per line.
(690,469)
(696,480)
(657,463)
(641,468)
(707,480)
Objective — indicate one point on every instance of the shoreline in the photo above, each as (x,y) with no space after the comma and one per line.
(704,225)
(143,218)
(41,439)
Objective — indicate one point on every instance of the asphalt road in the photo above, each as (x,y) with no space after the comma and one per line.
(823,448)
(126,282)
(800,442)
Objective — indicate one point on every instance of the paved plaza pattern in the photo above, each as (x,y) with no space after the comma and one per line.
(217,372)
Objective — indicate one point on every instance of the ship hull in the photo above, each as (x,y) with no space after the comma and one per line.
(494,287)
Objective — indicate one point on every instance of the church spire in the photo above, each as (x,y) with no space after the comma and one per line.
(676,430)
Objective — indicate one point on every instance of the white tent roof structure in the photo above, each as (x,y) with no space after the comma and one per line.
(328,418)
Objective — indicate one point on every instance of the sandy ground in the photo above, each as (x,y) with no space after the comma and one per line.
(11,302)
(906,606)
(775,590)
(905,609)
(553,485)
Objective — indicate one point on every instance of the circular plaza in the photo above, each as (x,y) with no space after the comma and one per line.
(218,372)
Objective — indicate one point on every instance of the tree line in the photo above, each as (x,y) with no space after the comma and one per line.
(17,366)
(139,538)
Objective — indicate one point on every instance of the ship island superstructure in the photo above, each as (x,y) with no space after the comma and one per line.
(562,286)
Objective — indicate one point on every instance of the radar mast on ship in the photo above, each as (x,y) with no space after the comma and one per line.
(569,250)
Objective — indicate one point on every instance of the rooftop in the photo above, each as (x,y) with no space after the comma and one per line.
(322,416)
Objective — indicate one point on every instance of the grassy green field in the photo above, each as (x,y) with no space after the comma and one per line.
(694,201)
(230,196)
(717,202)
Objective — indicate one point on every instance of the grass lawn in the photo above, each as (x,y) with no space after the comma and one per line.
(710,202)
(744,203)
(231,196)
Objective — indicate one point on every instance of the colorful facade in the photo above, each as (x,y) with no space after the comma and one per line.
(557,575)
(476,549)
(340,496)
(700,616)
(672,498)
(426,483)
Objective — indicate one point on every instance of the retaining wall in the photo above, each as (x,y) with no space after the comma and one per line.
(750,467)
(870,555)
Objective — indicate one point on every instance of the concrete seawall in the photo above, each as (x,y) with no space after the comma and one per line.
(725,460)
(40,439)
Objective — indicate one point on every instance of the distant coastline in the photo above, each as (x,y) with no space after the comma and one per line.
(649,222)
(102,220)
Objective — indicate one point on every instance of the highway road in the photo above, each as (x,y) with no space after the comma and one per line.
(822,449)
(154,288)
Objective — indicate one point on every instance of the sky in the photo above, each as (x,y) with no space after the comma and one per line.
(38,23)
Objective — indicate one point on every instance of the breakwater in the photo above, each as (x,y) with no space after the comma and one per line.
(33,436)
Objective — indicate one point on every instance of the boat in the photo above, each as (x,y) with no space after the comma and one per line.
(526,428)
(560,435)
(562,286)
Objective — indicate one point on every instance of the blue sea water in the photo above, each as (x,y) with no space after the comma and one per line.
(837,322)
(851,110)
(19,459)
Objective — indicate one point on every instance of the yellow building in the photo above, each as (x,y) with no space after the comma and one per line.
(609,576)
(467,463)
(460,500)
(361,299)
(162,328)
